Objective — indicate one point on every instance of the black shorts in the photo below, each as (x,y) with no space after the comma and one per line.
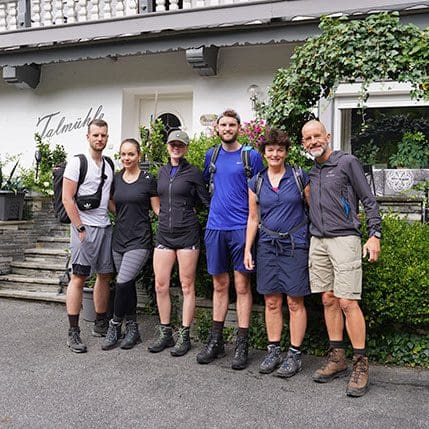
(181,239)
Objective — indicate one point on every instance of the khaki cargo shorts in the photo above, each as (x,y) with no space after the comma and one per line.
(335,264)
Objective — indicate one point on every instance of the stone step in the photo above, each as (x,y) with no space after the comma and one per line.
(49,296)
(46,255)
(54,239)
(22,281)
(38,272)
(40,251)
(29,287)
(63,245)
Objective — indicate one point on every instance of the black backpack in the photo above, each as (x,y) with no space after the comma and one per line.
(245,159)
(57,179)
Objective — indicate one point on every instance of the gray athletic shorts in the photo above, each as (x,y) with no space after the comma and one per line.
(94,253)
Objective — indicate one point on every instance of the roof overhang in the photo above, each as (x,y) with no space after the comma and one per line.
(241,24)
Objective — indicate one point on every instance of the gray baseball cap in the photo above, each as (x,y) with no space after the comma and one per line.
(178,136)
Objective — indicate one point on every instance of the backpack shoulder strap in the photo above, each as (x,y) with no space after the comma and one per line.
(297,174)
(258,186)
(245,159)
(110,162)
(83,169)
(212,166)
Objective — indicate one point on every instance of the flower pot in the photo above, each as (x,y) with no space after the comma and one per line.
(11,205)
(88,309)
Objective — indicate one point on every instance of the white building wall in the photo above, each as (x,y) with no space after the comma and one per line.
(74,90)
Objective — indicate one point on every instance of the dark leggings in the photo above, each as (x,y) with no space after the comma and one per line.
(128,265)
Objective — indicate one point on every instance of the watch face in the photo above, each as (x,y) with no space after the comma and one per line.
(377,234)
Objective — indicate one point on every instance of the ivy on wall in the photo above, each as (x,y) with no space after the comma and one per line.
(376,48)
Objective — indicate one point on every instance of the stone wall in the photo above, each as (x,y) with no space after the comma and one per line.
(16,236)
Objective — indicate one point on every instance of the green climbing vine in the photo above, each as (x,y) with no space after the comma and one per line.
(377,48)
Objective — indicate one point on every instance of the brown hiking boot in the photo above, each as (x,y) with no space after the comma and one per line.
(359,380)
(334,367)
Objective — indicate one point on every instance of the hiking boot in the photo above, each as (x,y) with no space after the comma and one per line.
(359,380)
(132,335)
(183,343)
(100,327)
(214,349)
(74,341)
(164,340)
(272,360)
(334,367)
(291,365)
(239,361)
(112,336)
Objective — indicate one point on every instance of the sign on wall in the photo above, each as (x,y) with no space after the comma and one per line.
(57,123)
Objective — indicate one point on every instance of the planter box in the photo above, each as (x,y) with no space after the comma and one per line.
(397,181)
(11,205)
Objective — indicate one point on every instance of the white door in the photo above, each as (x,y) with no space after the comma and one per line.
(176,108)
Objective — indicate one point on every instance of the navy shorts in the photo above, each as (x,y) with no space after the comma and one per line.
(225,250)
(281,269)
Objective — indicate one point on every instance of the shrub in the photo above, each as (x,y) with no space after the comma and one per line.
(396,288)
(49,158)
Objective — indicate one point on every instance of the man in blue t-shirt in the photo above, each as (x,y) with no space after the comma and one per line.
(225,236)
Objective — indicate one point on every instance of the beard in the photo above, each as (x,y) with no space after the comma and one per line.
(230,138)
(317,153)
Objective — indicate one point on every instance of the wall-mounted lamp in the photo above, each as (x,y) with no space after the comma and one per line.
(38,158)
(255,93)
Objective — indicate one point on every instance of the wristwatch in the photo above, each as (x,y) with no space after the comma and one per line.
(377,234)
(80,228)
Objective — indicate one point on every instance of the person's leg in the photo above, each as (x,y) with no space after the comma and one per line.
(128,265)
(356,329)
(274,325)
(297,326)
(220,296)
(274,316)
(188,260)
(355,322)
(244,298)
(101,252)
(163,262)
(334,318)
(217,266)
(73,305)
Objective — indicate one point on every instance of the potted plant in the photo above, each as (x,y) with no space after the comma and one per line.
(11,193)
(411,161)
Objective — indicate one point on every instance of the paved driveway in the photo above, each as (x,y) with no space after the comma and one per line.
(44,385)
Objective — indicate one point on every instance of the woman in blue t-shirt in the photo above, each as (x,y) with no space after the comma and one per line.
(134,194)
(277,209)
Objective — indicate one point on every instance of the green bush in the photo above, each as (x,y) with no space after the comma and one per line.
(395,302)
(396,288)
(49,158)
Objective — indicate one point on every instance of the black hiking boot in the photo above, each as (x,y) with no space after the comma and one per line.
(183,343)
(214,349)
(164,340)
(291,365)
(74,341)
(132,335)
(112,336)
(239,361)
(100,327)
(272,360)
